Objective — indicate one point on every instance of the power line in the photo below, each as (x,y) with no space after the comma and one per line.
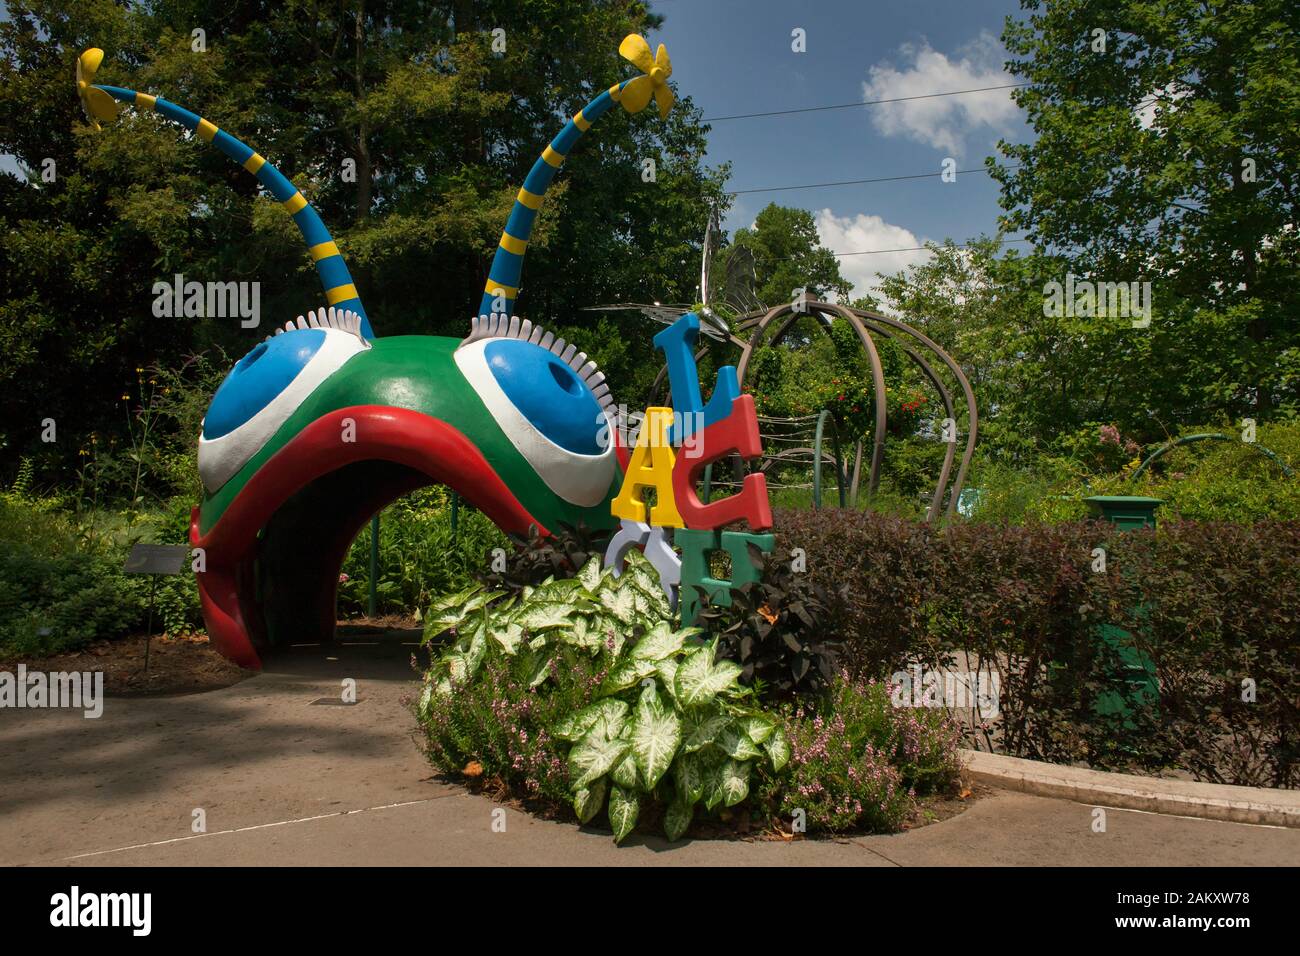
(877,252)
(859,182)
(846,106)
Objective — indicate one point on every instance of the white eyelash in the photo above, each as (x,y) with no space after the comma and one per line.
(331,318)
(498,326)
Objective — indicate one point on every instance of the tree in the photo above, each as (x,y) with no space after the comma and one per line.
(398,120)
(1166,147)
(788,255)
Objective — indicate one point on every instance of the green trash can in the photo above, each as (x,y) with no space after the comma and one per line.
(1137,684)
(1126,512)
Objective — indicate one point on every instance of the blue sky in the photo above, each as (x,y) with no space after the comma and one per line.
(735,56)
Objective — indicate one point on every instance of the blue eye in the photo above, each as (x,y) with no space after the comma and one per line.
(549,400)
(548,393)
(258,378)
(268,385)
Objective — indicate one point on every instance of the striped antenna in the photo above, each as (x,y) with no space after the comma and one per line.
(340,291)
(502,287)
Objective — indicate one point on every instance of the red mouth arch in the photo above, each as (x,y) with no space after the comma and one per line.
(272,560)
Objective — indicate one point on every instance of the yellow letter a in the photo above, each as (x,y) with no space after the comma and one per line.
(651,466)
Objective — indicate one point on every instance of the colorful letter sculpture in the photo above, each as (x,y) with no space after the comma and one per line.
(317,428)
(673,448)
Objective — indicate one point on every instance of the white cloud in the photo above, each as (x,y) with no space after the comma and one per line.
(943,122)
(863,232)
(1164,99)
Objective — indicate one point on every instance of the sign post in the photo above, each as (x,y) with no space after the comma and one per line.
(153,560)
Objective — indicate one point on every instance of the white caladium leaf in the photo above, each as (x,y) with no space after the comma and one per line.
(699,680)
(463,664)
(582,634)
(564,591)
(457,670)
(624,805)
(508,637)
(541,671)
(757,727)
(624,773)
(659,643)
(607,633)
(593,756)
(620,602)
(543,617)
(577,725)
(704,731)
(778,749)
(678,818)
(735,743)
(667,671)
(656,732)
(457,614)
(688,774)
(734,782)
(450,610)
(626,675)
(588,801)
(712,784)
(453,600)
(589,574)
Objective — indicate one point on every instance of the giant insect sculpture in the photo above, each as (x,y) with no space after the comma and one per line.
(322,424)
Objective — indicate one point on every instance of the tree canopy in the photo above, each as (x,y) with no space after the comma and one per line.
(399,121)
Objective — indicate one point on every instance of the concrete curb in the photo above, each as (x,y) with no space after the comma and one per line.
(1209,801)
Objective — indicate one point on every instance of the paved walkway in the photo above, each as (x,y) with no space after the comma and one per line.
(281,781)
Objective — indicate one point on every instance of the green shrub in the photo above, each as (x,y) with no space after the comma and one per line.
(580,695)
(499,722)
(55,595)
(62,588)
(419,555)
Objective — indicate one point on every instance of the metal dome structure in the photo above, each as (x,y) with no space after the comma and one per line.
(752,330)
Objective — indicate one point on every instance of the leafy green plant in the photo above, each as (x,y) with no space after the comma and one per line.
(662,724)
(776,630)
(419,554)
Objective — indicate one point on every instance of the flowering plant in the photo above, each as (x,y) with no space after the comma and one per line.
(858,762)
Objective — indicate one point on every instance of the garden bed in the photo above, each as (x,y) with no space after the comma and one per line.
(581,698)
(742,825)
(177,665)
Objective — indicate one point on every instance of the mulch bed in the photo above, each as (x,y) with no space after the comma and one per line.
(177,665)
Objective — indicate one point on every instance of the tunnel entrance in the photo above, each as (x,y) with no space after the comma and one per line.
(301,550)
